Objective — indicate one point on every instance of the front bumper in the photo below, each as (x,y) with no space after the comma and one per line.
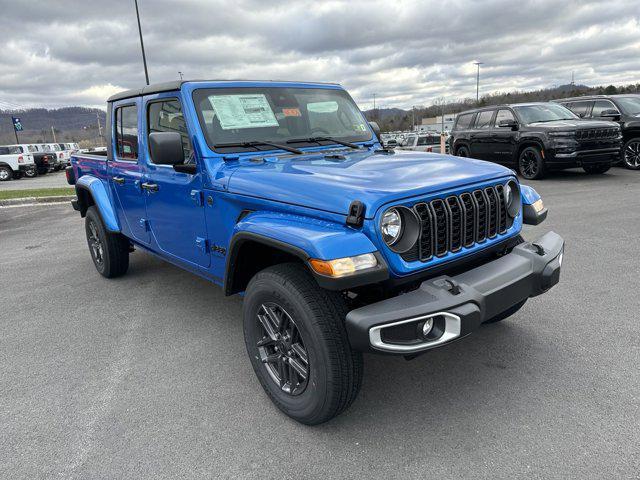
(456,306)
(582,158)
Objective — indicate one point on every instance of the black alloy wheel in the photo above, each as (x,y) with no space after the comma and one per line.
(631,154)
(282,349)
(530,164)
(462,152)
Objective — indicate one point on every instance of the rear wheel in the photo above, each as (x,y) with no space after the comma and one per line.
(631,154)
(531,164)
(109,251)
(298,347)
(596,169)
(462,151)
(31,173)
(6,174)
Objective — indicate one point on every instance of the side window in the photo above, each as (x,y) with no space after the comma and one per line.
(484,119)
(579,108)
(423,141)
(126,126)
(600,106)
(4,151)
(166,116)
(503,115)
(464,121)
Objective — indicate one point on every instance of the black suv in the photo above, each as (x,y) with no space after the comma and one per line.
(624,109)
(536,138)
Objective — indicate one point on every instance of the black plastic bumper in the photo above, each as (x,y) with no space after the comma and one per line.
(459,304)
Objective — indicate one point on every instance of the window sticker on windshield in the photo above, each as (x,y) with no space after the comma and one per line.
(243,111)
(291,112)
(322,107)
(360,127)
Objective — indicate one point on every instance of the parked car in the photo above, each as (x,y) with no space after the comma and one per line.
(340,247)
(623,109)
(32,151)
(69,149)
(44,161)
(14,163)
(536,138)
(61,158)
(429,142)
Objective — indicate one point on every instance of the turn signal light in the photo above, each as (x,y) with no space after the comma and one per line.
(344,266)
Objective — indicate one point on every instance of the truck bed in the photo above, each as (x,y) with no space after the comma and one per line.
(90,164)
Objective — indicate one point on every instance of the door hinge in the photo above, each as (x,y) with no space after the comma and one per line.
(196,196)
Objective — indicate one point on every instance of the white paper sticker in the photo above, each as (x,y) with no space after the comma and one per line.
(323,107)
(243,111)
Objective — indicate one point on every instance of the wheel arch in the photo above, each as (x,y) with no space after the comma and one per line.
(90,191)
(529,142)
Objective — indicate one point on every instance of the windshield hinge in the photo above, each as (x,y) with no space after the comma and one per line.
(356,214)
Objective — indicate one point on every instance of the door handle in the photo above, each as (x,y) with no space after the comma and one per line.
(118,180)
(150,187)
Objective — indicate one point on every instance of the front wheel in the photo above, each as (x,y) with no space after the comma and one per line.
(596,169)
(531,164)
(31,173)
(631,154)
(295,337)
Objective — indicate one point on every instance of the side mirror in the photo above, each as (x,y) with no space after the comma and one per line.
(612,114)
(166,148)
(512,124)
(376,129)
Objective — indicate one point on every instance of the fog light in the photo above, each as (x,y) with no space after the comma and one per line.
(427,327)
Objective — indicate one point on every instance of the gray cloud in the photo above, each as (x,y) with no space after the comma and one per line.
(65,52)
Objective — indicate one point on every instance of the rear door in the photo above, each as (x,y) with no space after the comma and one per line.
(503,140)
(126,172)
(481,135)
(174,200)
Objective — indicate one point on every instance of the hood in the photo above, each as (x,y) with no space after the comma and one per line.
(323,183)
(573,124)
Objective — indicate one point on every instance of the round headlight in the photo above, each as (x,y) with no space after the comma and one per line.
(391,226)
(400,228)
(512,198)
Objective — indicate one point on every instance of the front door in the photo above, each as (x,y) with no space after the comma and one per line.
(126,172)
(481,135)
(174,200)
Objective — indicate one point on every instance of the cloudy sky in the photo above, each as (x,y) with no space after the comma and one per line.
(63,52)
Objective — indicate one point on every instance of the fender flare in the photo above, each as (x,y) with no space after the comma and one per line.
(95,188)
(529,214)
(304,238)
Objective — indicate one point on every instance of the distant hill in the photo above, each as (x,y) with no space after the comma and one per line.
(392,119)
(71,124)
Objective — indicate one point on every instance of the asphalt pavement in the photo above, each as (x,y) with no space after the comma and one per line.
(49,180)
(147,376)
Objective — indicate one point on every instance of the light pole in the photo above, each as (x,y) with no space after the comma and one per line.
(478,82)
(144,57)
(180,73)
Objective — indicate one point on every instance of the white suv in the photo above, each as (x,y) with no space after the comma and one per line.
(14,163)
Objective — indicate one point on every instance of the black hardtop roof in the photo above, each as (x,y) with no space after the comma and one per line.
(177,84)
(596,97)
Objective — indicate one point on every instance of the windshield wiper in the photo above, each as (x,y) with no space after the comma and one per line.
(323,139)
(258,143)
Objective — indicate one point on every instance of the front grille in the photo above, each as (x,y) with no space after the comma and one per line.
(596,133)
(451,223)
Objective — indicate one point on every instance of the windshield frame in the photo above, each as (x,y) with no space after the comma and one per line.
(202,91)
(517,109)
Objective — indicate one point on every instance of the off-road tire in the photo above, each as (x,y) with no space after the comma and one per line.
(531,165)
(334,369)
(596,169)
(507,313)
(114,255)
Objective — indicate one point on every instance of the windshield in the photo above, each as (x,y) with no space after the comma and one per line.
(543,113)
(629,105)
(277,115)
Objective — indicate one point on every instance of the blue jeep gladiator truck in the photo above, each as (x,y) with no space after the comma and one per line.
(282,192)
